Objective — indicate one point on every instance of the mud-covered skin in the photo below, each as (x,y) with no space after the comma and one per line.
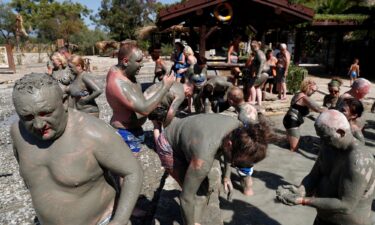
(172,100)
(63,165)
(196,140)
(84,90)
(220,90)
(342,181)
(124,94)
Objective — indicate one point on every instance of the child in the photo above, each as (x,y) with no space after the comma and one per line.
(160,67)
(354,71)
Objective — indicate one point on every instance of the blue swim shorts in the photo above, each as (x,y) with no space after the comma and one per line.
(133,137)
(244,172)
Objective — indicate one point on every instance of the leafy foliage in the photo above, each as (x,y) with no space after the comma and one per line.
(296,75)
(122,17)
(86,40)
(341,17)
(51,20)
(7,23)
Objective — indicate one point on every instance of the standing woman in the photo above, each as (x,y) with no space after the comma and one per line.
(300,107)
(178,57)
(271,61)
(83,89)
(233,54)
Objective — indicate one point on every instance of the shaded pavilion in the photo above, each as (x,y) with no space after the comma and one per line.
(257,15)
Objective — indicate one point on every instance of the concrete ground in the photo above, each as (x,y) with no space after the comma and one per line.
(280,166)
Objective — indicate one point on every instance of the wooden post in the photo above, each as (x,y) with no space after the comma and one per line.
(202,40)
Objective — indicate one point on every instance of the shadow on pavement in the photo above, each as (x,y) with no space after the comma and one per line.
(245,213)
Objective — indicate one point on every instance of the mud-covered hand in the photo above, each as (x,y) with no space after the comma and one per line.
(228,188)
(289,194)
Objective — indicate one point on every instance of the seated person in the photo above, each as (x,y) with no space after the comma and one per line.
(330,100)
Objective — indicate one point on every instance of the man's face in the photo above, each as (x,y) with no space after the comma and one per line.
(42,113)
(334,92)
(134,63)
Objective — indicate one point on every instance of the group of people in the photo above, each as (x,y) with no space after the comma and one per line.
(80,170)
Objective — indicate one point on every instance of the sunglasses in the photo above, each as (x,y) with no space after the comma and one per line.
(333,91)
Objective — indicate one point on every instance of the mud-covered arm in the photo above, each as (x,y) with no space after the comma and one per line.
(113,159)
(351,188)
(93,87)
(177,101)
(311,181)
(136,102)
(313,105)
(197,171)
(262,60)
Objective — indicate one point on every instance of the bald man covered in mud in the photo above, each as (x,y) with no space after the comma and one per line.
(64,156)
(173,99)
(341,183)
(125,97)
(214,94)
(247,114)
(188,148)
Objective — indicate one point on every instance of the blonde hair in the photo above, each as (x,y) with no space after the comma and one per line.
(306,83)
(188,50)
(60,57)
(77,60)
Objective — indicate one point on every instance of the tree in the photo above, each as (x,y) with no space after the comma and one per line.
(122,17)
(7,22)
(51,20)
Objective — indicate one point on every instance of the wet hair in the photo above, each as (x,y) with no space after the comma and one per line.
(59,56)
(355,106)
(77,60)
(250,142)
(34,82)
(126,49)
(159,114)
(306,84)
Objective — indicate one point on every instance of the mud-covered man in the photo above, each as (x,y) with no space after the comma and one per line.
(125,97)
(214,94)
(341,183)
(172,101)
(189,147)
(64,154)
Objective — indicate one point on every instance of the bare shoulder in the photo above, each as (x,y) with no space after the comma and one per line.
(15,131)
(90,127)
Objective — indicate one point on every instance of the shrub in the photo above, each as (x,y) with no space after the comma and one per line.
(296,75)
(166,49)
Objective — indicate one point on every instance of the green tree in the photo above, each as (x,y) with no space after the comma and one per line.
(7,22)
(50,19)
(122,17)
(87,38)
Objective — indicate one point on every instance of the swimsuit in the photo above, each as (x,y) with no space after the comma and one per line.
(169,158)
(133,138)
(294,116)
(178,66)
(245,172)
(353,74)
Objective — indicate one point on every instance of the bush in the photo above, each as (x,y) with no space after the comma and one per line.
(296,75)
(166,49)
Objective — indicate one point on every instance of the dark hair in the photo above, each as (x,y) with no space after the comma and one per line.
(126,49)
(250,142)
(159,114)
(180,45)
(355,106)
(208,89)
